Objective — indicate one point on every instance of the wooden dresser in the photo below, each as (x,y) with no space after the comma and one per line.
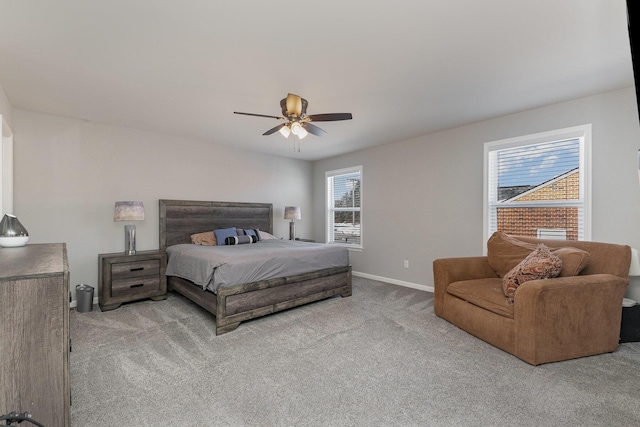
(34,332)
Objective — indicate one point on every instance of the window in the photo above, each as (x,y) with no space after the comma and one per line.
(539,185)
(344,201)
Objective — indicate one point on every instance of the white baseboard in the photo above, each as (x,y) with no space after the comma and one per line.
(394,281)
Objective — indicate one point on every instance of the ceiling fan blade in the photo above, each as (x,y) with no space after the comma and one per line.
(314,129)
(259,115)
(275,129)
(330,117)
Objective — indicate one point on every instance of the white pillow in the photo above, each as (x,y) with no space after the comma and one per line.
(266,236)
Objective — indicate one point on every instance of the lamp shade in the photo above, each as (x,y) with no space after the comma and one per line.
(12,232)
(298,130)
(292,212)
(128,211)
(285,131)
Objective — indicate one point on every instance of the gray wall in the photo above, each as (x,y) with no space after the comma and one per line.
(422,198)
(69,173)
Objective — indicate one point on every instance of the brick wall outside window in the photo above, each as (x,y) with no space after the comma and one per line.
(526,221)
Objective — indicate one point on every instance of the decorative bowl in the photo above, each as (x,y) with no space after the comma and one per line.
(13,242)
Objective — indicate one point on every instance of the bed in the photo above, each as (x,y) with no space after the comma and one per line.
(231,305)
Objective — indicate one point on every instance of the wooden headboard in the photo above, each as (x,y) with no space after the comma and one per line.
(179,219)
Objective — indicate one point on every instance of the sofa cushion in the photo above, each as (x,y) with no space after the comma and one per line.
(605,258)
(485,293)
(539,264)
(574,260)
(504,252)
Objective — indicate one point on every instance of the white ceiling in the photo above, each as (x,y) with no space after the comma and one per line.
(403,68)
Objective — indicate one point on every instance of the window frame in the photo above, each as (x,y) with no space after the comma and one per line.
(582,132)
(6,167)
(330,209)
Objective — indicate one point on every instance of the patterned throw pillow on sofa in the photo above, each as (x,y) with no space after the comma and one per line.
(539,264)
(504,252)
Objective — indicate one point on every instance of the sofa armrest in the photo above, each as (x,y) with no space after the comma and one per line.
(450,270)
(568,317)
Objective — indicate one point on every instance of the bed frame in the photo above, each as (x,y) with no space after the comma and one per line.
(232,305)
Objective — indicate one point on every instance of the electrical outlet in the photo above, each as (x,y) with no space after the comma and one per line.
(406,263)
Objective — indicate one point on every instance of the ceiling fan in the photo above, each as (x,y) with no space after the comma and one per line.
(296,120)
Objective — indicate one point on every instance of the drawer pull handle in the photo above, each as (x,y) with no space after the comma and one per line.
(139,285)
(137,269)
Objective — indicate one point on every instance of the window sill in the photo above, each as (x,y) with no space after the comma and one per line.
(356,248)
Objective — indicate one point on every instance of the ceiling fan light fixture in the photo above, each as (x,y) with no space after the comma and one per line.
(285,131)
(298,130)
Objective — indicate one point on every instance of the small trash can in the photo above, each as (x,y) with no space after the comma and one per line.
(84,298)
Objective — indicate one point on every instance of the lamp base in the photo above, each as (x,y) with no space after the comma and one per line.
(130,239)
(292,230)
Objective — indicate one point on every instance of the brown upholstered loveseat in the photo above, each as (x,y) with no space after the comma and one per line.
(550,319)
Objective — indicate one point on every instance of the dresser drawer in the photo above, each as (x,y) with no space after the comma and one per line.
(134,285)
(126,270)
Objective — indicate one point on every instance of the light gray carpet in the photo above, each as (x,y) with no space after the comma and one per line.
(378,358)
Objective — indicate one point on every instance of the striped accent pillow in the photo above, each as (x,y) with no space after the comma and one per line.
(252,232)
(240,240)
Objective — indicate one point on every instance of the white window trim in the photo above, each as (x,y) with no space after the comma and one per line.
(329,200)
(6,168)
(582,131)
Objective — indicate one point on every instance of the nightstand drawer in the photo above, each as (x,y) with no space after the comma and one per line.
(134,285)
(125,278)
(126,270)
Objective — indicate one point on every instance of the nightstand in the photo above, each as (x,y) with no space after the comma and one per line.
(125,278)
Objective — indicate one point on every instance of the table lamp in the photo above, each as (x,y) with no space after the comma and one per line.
(129,211)
(292,212)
